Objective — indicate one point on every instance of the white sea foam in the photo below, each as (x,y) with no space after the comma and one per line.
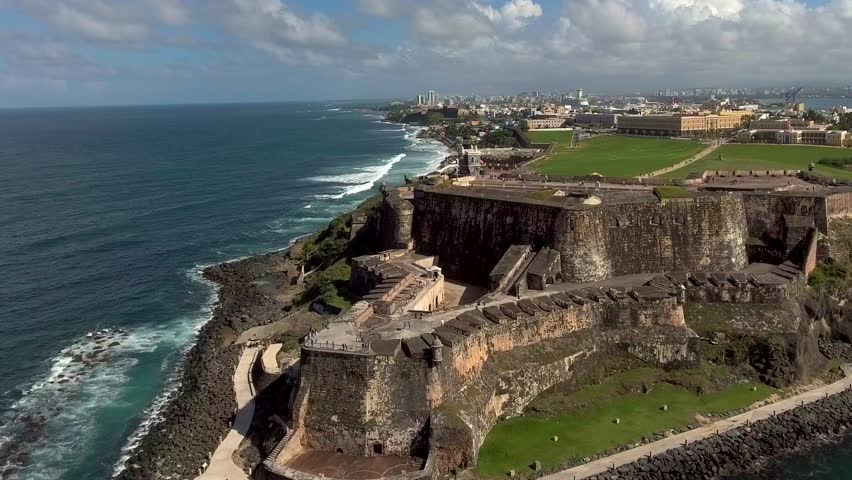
(333,110)
(188,331)
(359,181)
(308,206)
(92,372)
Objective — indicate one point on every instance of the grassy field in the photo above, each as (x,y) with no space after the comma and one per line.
(767,157)
(585,424)
(611,155)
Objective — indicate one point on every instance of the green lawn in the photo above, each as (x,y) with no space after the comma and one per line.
(589,426)
(561,138)
(767,157)
(611,155)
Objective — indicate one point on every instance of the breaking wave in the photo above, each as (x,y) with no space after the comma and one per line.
(359,181)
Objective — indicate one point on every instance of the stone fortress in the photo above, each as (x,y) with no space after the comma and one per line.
(490,292)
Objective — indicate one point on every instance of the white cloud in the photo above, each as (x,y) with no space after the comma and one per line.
(704,41)
(701,9)
(459,25)
(105,21)
(273,21)
(515,14)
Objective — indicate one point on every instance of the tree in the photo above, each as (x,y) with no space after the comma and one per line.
(500,138)
(812,114)
(434,118)
(845,122)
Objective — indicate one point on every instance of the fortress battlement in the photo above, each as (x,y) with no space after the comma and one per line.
(403,375)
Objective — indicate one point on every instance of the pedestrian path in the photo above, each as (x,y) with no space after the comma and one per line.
(652,449)
(222,466)
(683,163)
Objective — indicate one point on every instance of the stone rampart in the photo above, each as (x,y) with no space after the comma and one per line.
(595,242)
(396,220)
(384,395)
(770,216)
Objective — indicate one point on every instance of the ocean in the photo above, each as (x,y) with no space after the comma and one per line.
(107,217)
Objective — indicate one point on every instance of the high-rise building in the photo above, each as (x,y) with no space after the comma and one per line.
(579,93)
(419,99)
(433,100)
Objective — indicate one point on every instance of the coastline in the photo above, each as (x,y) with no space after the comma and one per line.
(203,406)
(191,419)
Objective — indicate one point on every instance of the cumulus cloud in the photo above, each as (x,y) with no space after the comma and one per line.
(515,14)
(472,44)
(273,27)
(706,41)
(105,21)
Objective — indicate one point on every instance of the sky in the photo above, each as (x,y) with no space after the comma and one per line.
(121,52)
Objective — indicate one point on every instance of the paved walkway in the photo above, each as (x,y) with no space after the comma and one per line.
(683,163)
(269,359)
(589,185)
(629,456)
(222,465)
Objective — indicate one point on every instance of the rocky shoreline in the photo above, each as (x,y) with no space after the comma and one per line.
(200,411)
(746,448)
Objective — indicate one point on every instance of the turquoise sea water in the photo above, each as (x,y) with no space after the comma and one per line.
(106,218)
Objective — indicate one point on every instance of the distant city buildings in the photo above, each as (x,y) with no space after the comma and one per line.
(602,119)
(432,99)
(676,125)
(792,131)
(537,123)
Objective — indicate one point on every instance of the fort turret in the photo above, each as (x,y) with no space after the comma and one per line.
(437,351)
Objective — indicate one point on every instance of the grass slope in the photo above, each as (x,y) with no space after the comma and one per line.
(767,157)
(585,423)
(612,155)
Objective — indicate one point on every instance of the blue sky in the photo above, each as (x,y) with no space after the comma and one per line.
(103,52)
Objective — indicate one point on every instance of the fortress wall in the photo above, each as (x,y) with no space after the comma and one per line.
(360,402)
(764,213)
(840,204)
(582,243)
(471,234)
(646,314)
(466,360)
(703,233)
(397,412)
(335,411)
(397,220)
(743,294)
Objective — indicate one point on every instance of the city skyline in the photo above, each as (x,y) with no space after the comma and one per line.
(75,52)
